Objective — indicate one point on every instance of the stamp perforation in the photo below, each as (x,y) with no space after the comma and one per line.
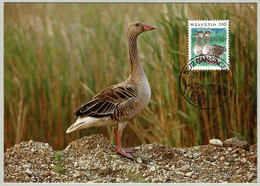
(210,27)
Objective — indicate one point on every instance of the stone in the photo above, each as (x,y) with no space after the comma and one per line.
(236,142)
(180,173)
(76,174)
(216,142)
(196,155)
(215,157)
(241,171)
(184,167)
(29,172)
(226,164)
(189,174)
(155,180)
(144,157)
(152,168)
(118,180)
(222,158)
(139,160)
(30,142)
(26,166)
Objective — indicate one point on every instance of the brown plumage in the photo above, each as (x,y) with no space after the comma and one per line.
(107,101)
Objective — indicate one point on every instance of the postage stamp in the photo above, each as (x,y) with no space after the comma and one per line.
(208,44)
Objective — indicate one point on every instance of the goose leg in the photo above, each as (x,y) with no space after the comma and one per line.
(128,149)
(119,149)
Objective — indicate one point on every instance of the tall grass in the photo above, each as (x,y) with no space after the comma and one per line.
(57,56)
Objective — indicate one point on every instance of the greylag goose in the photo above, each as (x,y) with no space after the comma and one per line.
(197,49)
(214,50)
(118,104)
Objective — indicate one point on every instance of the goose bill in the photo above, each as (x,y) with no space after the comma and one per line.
(148,28)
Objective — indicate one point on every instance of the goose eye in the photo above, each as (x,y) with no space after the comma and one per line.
(137,24)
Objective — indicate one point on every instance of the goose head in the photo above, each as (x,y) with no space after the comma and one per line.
(207,34)
(137,28)
(199,34)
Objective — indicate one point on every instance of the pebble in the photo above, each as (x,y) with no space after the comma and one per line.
(26,166)
(75,164)
(152,168)
(118,180)
(222,158)
(30,142)
(180,173)
(139,160)
(76,174)
(236,142)
(155,180)
(226,164)
(241,171)
(145,158)
(215,157)
(28,172)
(194,177)
(216,142)
(196,155)
(189,174)
(185,167)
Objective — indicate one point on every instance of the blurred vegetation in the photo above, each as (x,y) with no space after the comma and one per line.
(58,55)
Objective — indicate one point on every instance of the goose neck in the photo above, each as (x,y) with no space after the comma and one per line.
(199,41)
(207,41)
(136,67)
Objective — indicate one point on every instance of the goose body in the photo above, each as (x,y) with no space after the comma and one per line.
(118,104)
(197,49)
(214,50)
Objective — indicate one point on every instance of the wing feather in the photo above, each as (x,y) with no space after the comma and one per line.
(106,101)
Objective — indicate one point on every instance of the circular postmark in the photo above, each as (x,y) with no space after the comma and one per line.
(206,89)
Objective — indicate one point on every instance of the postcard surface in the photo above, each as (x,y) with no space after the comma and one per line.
(130,92)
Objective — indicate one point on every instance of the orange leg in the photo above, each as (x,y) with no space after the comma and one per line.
(119,149)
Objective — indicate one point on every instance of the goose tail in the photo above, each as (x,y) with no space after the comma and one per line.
(81,123)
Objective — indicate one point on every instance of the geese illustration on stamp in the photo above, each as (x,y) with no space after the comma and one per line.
(118,104)
(213,50)
(197,49)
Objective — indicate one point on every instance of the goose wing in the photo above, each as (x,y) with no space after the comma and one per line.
(218,50)
(106,101)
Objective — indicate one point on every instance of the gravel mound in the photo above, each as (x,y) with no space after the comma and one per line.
(93,159)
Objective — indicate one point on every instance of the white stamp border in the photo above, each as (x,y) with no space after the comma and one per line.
(189,45)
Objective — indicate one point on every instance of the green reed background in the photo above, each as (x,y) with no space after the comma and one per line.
(57,56)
